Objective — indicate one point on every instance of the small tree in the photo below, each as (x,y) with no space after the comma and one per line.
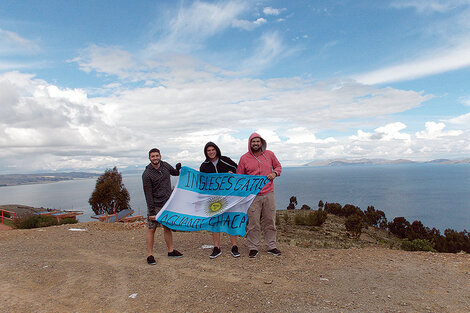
(399,226)
(305,207)
(292,203)
(353,225)
(110,194)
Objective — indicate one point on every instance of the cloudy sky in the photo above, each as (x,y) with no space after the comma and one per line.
(96,84)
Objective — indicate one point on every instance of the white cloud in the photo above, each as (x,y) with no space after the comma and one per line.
(193,24)
(440,62)
(270,49)
(247,25)
(67,128)
(272,11)
(11,43)
(463,119)
(435,130)
(109,60)
(389,132)
(430,6)
(299,135)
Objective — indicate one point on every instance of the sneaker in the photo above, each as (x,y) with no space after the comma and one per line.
(275,251)
(215,253)
(175,254)
(151,260)
(253,253)
(235,252)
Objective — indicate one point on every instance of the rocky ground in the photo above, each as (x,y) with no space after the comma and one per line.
(103,269)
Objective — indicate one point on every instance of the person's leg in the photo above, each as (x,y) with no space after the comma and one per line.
(168,236)
(269,220)
(253,234)
(216,251)
(233,240)
(150,238)
(216,239)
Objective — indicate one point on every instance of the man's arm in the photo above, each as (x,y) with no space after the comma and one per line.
(147,183)
(173,171)
(276,165)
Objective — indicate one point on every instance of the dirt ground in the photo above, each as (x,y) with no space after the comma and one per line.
(103,269)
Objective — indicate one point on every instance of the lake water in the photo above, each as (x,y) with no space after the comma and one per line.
(436,194)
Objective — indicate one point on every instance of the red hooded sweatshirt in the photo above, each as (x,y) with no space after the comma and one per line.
(263,164)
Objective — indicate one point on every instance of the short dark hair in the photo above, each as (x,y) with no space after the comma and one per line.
(154,150)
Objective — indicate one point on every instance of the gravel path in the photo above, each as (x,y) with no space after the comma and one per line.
(103,269)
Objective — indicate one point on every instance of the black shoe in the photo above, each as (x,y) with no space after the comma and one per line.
(275,251)
(235,252)
(151,260)
(175,254)
(215,253)
(253,253)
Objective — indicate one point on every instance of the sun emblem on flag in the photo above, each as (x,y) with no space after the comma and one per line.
(215,205)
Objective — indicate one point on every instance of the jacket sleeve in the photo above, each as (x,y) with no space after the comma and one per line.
(231,163)
(173,171)
(277,168)
(147,183)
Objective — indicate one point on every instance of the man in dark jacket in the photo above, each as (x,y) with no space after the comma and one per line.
(157,190)
(217,163)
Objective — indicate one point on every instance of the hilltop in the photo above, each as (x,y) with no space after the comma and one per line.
(103,268)
(365,161)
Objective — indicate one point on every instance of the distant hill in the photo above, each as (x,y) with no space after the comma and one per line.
(345,162)
(24,179)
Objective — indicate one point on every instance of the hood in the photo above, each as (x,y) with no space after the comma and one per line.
(263,142)
(210,143)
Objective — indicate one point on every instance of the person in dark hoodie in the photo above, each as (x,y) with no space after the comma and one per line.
(259,161)
(217,163)
(157,190)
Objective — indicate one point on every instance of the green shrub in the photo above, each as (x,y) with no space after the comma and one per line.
(313,218)
(353,225)
(399,226)
(34,221)
(334,208)
(6,214)
(68,220)
(418,245)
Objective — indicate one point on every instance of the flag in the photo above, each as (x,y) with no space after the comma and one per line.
(217,202)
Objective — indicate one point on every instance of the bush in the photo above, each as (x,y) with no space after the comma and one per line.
(313,218)
(399,226)
(333,208)
(418,231)
(354,225)
(374,217)
(350,209)
(305,207)
(34,221)
(418,245)
(6,214)
(68,220)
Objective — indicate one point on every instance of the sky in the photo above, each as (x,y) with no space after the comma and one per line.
(89,85)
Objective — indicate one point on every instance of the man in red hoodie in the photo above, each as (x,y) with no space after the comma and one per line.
(259,161)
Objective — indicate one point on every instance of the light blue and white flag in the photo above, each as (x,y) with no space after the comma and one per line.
(217,202)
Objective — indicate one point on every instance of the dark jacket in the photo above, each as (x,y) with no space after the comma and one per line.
(224,165)
(157,185)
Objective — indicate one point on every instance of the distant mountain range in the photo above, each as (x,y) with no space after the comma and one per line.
(343,162)
(25,179)
(38,178)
